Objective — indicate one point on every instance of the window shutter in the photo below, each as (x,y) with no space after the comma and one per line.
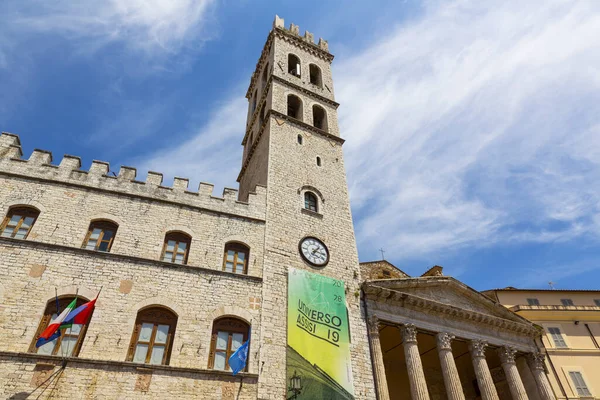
(557,337)
(213,346)
(580,386)
(134,337)
(43,324)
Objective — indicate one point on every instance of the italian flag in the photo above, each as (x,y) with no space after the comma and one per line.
(53,329)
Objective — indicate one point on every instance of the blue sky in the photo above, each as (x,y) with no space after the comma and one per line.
(473,128)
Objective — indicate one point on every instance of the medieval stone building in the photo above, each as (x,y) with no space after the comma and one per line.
(186,276)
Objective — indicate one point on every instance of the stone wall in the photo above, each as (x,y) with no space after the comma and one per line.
(131,276)
(27,377)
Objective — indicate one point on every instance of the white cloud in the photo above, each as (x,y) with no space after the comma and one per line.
(473,125)
(470,126)
(148,25)
(212,153)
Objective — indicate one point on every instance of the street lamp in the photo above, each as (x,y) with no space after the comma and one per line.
(295,386)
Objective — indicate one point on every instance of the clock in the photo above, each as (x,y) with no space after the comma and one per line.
(314,251)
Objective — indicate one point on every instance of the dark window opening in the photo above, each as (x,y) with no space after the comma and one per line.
(310,201)
(293,65)
(315,75)
(319,117)
(567,302)
(318,161)
(294,107)
(299,139)
(265,75)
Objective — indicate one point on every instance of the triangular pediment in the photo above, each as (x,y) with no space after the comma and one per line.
(450,292)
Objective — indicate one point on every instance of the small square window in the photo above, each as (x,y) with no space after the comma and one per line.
(567,302)
(557,337)
(533,302)
(597,302)
(386,273)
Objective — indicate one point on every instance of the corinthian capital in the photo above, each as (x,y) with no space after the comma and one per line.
(507,354)
(536,361)
(477,348)
(409,333)
(444,341)
(374,325)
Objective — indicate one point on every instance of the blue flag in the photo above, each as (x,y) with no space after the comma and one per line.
(237,361)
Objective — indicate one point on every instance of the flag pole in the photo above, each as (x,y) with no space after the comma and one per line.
(56,297)
(64,364)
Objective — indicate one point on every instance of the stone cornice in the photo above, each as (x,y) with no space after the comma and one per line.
(312,48)
(111,364)
(127,258)
(389,296)
(300,124)
(431,282)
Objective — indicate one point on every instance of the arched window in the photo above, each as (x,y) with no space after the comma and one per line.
(265,75)
(299,139)
(254,100)
(293,65)
(235,258)
(176,248)
(315,75)
(310,201)
(100,236)
(319,117)
(18,222)
(294,107)
(70,340)
(227,335)
(263,113)
(152,337)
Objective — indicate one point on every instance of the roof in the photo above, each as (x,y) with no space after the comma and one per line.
(382,261)
(513,289)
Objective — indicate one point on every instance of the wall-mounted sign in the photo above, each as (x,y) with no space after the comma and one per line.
(318,340)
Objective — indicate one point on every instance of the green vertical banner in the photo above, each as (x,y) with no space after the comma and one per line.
(318,338)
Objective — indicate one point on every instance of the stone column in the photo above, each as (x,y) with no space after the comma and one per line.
(378,366)
(527,377)
(515,384)
(454,390)
(536,364)
(482,371)
(416,376)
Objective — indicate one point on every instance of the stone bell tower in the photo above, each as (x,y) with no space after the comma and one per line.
(293,147)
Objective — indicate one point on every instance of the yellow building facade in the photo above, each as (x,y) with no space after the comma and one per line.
(571,340)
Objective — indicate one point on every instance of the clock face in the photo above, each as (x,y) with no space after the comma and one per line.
(314,251)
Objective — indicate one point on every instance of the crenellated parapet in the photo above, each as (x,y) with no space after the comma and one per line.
(294,30)
(292,35)
(40,166)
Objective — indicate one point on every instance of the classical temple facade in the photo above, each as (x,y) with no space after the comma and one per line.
(433,337)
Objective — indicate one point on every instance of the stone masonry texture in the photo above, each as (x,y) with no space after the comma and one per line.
(267,215)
